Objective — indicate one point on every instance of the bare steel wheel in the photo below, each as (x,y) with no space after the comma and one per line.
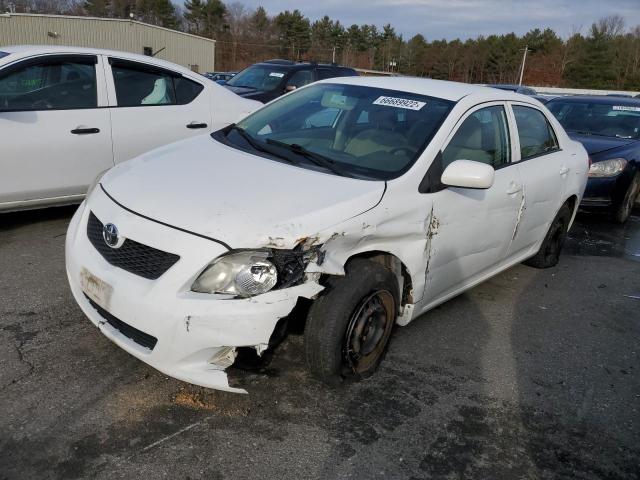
(349,326)
(368,332)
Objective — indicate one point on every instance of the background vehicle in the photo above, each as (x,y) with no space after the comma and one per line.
(220,77)
(522,90)
(609,129)
(268,80)
(68,113)
(392,195)
(514,88)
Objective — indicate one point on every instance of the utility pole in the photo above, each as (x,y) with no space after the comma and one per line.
(333,60)
(524,60)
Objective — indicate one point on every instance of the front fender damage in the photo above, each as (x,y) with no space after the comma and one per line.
(239,323)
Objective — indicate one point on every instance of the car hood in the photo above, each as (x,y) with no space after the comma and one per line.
(243,200)
(594,144)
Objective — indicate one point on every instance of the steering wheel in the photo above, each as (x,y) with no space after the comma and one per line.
(409,150)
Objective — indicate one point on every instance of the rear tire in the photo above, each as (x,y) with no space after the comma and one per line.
(623,211)
(549,252)
(349,325)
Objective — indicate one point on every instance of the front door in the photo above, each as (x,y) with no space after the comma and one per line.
(54,137)
(471,229)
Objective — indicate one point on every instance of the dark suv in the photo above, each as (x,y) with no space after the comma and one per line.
(268,80)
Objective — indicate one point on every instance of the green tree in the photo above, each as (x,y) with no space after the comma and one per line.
(595,63)
(204,17)
(157,12)
(294,30)
(98,8)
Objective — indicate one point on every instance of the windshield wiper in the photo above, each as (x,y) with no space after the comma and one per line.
(584,132)
(257,144)
(316,158)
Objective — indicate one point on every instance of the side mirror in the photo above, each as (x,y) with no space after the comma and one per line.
(289,88)
(468,174)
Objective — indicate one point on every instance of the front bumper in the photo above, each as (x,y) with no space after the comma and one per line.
(599,192)
(608,191)
(190,328)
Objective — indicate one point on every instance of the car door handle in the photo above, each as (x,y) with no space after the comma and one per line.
(514,188)
(85,131)
(196,125)
(564,170)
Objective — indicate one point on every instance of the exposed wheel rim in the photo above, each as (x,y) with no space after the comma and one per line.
(368,331)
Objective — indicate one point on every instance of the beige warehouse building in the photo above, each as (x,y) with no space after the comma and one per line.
(191,51)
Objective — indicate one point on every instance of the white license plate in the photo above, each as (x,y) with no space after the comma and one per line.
(95,288)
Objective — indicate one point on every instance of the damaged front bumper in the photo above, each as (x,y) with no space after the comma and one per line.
(195,334)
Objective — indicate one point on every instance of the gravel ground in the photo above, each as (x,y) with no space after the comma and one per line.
(533,374)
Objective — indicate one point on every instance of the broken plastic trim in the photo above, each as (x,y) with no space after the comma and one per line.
(291,265)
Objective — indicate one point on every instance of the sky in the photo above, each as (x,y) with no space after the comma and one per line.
(449,19)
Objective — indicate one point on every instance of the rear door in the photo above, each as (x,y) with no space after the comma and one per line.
(544,171)
(55,134)
(153,106)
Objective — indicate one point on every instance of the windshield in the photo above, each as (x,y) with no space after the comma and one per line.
(592,118)
(3,54)
(350,130)
(259,78)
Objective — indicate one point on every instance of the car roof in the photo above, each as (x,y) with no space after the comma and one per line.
(293,65)
(600,99)
(444,89)
(504,85)
(28,50)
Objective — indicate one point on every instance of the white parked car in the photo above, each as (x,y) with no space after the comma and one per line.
(377,198)
(68,113)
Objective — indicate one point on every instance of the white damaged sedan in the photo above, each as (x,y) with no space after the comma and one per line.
(375,198)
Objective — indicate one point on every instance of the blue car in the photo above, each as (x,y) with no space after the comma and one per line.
(609,129)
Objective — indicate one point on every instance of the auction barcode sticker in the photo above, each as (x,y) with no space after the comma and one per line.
(400,103)
(626,108)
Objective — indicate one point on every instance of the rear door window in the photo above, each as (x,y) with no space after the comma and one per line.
(186,90)
(137,85)
(145,85)
(301,78)
(534,131)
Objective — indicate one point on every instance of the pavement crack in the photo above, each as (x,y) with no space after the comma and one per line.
(22,359)
(20,339)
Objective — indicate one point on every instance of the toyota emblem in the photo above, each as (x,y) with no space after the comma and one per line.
(110,235)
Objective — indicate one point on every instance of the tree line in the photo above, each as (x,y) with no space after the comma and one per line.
(606,55)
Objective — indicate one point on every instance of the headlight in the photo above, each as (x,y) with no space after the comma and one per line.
(607,168)
(243,274)
(95,182)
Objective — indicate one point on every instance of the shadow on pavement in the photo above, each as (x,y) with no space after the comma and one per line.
(12,220)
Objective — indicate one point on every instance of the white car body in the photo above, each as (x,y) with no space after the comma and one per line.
(44,164)
(445,242)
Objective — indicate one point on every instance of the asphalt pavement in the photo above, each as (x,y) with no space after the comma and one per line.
(532,375)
